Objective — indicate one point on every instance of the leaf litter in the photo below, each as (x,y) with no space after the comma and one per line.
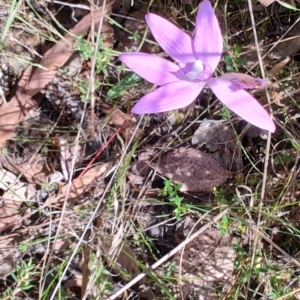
(34,81)
(15,193)
(206,262)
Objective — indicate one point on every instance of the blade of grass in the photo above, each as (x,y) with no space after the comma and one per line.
(11,16)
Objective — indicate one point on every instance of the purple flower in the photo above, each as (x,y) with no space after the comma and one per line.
(196,59)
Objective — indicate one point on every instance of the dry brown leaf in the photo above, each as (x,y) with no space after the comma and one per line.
(14,111)
(83,184)
(278,67)
(15,193)
(59,54)
(195,170)
(37,170)
(118,118)
(34,81)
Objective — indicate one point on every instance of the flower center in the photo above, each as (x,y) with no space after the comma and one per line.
(198,71)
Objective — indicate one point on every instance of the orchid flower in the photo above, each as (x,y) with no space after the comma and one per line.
(195,59)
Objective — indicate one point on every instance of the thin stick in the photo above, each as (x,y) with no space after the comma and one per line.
(268,97)
(264,180)
(92,74)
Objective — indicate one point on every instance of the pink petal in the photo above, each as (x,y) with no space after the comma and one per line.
(171,96)
(244,81)
(207,42)
(152,68)
(242,103)
(172,39)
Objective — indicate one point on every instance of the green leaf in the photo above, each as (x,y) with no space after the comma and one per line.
(13,275)
(27,287)
(240,61)
(225,113)
(125,84)
(177,213)
(177,200)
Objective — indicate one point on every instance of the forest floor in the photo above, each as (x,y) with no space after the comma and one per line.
(99,203)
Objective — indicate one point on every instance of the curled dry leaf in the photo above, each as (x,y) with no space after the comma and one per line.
(195,170)
(84,184)
(34,81)
(37,170)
